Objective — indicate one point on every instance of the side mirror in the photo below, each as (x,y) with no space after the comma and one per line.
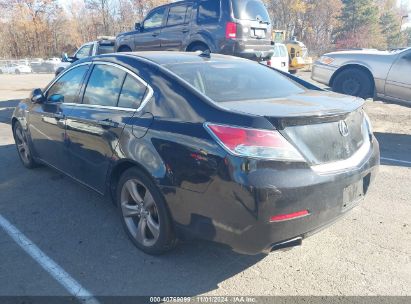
(55,98)
(137,26)
(37,96)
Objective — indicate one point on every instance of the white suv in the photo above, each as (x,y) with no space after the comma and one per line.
(103,45)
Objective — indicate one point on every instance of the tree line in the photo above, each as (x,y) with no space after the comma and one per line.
(43,28)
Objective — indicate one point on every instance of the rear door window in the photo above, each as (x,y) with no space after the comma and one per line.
(104,85)
(177,15)
(208,11)
(132,93)
(250,10)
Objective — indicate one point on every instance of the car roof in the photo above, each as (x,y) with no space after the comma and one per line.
(167,57)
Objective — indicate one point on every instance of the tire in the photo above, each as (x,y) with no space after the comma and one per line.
(23,146)
(17,72)
(198,47)
(355,82)
(143,213)
(124,49)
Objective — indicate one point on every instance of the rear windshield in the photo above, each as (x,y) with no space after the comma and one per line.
(250,10)
(235,81)
(280,51)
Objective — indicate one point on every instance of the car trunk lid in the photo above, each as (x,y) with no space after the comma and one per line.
(325,127)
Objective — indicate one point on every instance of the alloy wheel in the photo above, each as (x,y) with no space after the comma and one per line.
(22,144)
(140,212)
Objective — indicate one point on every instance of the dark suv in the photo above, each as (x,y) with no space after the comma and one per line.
(233,27)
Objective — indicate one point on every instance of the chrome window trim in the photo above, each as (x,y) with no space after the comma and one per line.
(85,105)
(146,99)
(149,94)
(62,73)
(348,163)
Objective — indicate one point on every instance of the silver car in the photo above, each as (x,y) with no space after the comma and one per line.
(367,73)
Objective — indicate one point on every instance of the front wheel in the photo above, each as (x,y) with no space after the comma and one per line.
(355,82)
(23,147)
(144,213)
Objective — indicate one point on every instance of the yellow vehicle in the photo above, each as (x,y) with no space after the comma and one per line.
(297,51)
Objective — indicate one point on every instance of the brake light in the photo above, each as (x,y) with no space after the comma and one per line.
(254,143)
(289,216)
(231,30)
(269,62)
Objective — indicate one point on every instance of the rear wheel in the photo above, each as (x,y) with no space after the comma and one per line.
(355,82)
(198,47)
(144,214)
(23,147)
(17,71)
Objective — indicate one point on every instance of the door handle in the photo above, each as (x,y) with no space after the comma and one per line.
(108,123)
(155,34)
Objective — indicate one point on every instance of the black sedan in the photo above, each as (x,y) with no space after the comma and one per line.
(199,145)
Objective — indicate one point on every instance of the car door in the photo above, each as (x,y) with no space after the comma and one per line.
(176,30)
(46,122)
(110,99)
(148,39)
(398,83)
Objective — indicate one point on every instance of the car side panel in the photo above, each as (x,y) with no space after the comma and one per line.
(398,84)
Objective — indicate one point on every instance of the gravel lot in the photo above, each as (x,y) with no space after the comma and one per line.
(368,252)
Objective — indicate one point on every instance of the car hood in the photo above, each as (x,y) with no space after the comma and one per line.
(299,108)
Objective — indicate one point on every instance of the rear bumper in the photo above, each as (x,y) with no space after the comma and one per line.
(262,50)
(238,214)
(322,73)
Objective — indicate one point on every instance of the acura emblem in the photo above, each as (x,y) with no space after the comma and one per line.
(342,126)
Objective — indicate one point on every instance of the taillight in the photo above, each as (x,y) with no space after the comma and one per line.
(269,62)
(254,143)
(231,30)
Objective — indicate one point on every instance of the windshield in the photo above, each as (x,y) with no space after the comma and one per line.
(235,80)
(250,10)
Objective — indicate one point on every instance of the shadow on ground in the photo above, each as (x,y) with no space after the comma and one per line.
(6,110)
(394,146)
(82,232)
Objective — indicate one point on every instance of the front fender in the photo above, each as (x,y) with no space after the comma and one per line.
(20,113)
